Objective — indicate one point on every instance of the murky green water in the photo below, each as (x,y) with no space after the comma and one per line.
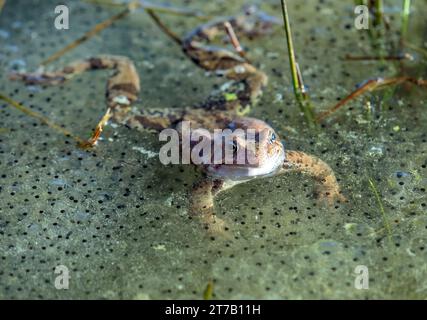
(117,218)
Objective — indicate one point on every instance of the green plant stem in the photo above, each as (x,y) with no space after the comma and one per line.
(380,204)
(302,98)
(291,52)
(379,9)
(406,10)
(307,109)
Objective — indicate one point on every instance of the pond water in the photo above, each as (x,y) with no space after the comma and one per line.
(118,219)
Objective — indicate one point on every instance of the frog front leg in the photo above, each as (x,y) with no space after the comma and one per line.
(328,188)
(202,198)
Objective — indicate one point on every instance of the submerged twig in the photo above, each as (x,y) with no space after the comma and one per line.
(370,85)
(163,27)
(404,56)
(155,7)
(380,204)
(150,8)
(98,130)
(415,48)
(233,38)
(98,28)
(111,3)
(41,118)
(297,82)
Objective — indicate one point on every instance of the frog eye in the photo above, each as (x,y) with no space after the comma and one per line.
(272,137)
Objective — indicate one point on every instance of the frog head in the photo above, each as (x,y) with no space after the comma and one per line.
(251,148)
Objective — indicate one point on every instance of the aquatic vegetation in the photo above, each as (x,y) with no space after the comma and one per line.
(406,11)
(369,86)
(41,118)
(297,82)
(119,220)
(380,205)
(129,8)
(95,30)
(208,293)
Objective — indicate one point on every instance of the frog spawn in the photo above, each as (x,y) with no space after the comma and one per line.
(114,220)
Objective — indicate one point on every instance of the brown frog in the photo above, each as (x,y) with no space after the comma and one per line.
(216,112)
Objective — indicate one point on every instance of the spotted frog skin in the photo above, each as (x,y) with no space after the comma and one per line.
(217,112)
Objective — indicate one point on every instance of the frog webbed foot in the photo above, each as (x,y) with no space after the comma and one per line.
(329,194)
(215,226)
(328,190)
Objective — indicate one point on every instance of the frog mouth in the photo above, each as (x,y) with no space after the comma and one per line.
(245,171)
(271,154)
